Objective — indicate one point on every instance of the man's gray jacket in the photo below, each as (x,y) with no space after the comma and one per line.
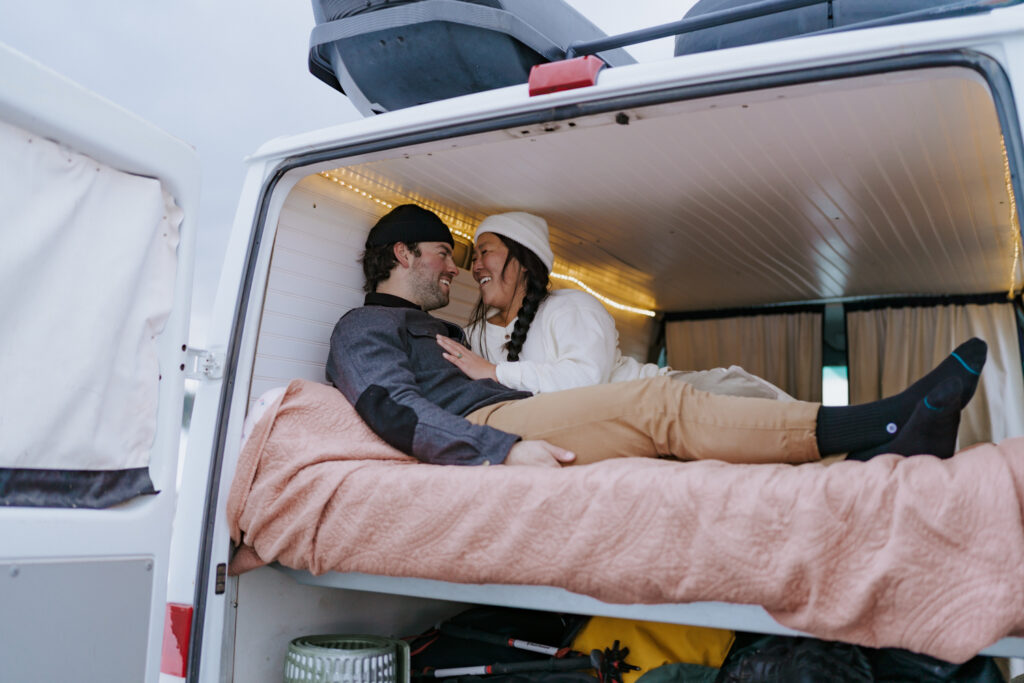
(386,360)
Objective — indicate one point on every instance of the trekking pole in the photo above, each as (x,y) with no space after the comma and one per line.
(566,664)
(495,639)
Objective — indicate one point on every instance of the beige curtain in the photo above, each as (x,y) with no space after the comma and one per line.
(889,348)
(784,349)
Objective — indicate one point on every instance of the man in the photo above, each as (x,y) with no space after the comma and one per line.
(385,359)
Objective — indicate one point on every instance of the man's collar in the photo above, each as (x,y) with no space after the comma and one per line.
(380,299)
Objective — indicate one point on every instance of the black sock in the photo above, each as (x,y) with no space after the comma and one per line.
(856,428)
(931,429)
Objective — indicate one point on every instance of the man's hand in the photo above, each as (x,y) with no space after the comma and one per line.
(474,365)
(538,454)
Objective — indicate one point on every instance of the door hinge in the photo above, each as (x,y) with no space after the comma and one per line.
(203,364)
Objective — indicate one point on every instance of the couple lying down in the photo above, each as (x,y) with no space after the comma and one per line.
(537,340)
(401,369)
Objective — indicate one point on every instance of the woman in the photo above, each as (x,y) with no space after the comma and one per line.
(538,340)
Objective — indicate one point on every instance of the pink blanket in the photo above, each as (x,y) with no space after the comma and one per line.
(916,552)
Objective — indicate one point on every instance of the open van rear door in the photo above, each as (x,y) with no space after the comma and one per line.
(98,225)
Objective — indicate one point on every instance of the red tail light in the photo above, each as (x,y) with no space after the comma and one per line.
(565,75)
(177,630)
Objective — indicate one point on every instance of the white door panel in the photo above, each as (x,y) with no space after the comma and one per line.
(94,361)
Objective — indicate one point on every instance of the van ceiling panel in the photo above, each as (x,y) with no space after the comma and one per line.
(874,185)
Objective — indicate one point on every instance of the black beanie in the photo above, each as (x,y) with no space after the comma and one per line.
(409,223)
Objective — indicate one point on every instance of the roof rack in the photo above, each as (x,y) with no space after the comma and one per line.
(391,54)
(709,25)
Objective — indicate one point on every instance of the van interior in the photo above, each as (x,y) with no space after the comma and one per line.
(855,189)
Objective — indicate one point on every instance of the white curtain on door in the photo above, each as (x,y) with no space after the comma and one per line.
(890,348)
(87,271)
(784,349)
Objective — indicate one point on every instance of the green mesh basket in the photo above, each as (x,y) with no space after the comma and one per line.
(346,659)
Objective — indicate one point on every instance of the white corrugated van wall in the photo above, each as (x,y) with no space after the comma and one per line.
(315,278)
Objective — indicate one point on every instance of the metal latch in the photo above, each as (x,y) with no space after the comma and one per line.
(222,579)
(203,364)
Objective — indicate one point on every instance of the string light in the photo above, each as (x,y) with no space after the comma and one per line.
(1014,225)
(452,218)
(602,297)
(458,220)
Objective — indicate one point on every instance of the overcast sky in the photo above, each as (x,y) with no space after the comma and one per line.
(225,76)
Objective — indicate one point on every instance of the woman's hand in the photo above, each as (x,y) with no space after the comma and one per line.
(474,365)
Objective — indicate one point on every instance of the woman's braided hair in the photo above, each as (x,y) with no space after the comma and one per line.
(537,284)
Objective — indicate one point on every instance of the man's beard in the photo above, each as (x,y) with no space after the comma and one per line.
(429,294)
(439,300)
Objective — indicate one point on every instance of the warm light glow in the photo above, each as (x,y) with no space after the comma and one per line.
(1014,224)
(458,220)
(603,298)
(452,219)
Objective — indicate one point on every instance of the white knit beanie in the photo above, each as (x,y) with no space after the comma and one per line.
(529,230)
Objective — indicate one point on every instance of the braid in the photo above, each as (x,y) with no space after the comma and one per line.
(536,291)
(537,283)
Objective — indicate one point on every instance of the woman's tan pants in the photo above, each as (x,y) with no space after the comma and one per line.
(657,416)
